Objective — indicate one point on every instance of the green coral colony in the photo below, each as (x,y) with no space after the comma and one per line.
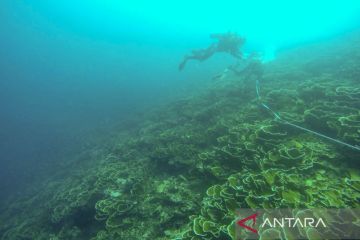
(190,165)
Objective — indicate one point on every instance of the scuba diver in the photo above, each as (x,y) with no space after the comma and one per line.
(228,42)
(249,67)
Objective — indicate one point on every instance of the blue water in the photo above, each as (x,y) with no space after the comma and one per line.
(70,72)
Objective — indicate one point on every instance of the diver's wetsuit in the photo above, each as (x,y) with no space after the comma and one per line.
(229,42)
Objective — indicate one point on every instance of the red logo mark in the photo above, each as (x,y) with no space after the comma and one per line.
(241,222)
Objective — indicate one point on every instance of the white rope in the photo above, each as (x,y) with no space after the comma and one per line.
(277,117)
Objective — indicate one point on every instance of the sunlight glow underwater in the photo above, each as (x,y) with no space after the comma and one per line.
(270,24)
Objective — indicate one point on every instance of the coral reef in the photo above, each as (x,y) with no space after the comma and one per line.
(191,164)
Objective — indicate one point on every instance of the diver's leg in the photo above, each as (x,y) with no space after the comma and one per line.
(200,55)
(183,62)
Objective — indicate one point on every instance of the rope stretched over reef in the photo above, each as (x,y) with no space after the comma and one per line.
(277,117)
